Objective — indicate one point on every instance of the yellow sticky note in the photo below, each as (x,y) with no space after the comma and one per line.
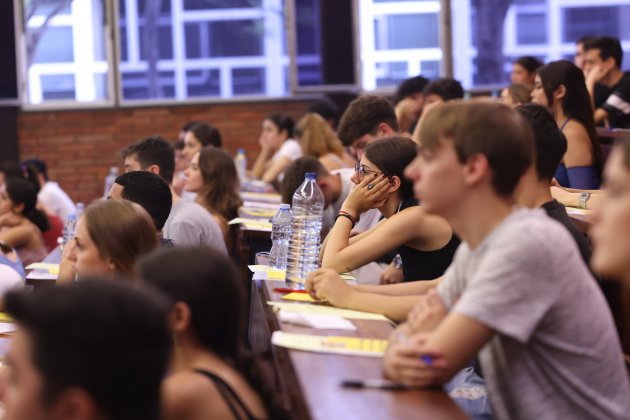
(276,274)
(51,268)
(352,346)
(4,317)
(329,310)
(299,297)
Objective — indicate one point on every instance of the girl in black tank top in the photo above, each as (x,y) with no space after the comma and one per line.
(380,183)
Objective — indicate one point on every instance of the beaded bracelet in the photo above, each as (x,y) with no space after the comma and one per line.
(347,216)
(355,220)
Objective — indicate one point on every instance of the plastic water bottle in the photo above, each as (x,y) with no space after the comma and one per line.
(280,237)
(308,212)
(69,227)
(80,210)
(241,164)
(110,179)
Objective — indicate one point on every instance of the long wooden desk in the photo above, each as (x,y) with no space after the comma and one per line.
(309,382)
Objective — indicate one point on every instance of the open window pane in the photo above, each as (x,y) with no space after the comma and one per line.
(65,54)
(181,49)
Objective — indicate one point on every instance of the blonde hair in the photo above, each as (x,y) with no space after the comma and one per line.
(316,137)
(122,231)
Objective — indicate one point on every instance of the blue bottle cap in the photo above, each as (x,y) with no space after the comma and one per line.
(311,176)
(285,207)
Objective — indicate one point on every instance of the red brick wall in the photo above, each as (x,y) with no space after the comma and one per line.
(80,146)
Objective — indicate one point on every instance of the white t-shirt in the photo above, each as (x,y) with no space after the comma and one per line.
(56,200)
(555,353)
(290,149)
(9,279)
(190,224)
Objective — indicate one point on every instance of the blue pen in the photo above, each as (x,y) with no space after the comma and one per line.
(427,359)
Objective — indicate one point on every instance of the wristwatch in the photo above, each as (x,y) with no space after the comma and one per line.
(583,198)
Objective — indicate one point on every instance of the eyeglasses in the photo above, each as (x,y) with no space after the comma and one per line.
(361,171)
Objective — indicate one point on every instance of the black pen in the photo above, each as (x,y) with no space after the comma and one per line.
(373,383)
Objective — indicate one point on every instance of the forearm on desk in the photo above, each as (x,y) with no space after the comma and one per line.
(395,308)
(401,289)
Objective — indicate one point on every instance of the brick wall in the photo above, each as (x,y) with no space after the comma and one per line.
(79,146)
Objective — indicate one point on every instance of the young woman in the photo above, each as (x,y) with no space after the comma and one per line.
(425,243)
(21,223)
(198,136)
(611,221)
(560,86)
(210,375)
(109,238)
(212,176)
(318,140)
(278,148)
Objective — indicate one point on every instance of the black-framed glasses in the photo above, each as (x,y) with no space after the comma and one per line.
(361,171)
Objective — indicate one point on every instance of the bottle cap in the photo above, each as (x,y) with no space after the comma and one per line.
(311,175)
(241,150)
(285,207)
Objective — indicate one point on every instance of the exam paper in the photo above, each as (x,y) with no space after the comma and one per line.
(353,346)
(326,310)
(318,321)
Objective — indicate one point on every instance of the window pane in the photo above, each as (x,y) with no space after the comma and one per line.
(531,29)
(65,51)
(488,39)
(398,40)
(209,48)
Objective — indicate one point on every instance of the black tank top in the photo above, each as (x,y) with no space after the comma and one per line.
(229,395)
(425,265)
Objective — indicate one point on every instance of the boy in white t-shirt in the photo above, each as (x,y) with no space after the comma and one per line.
(518,295)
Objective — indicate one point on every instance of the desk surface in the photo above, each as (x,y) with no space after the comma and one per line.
(312,379)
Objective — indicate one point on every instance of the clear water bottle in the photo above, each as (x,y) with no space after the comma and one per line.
(110,179)
(69,227)
(308,211)
(280,236)
(241,164)
(80,210)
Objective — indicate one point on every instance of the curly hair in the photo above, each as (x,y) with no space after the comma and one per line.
(316,137)
(363,116)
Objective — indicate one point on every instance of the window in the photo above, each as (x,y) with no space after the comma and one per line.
(399,39)
(546,29)
(186,49)
(65,53)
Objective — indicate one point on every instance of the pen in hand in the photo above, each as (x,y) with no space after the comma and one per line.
(374,384)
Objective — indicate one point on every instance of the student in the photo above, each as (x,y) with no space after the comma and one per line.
(109,238)
(12,274)
(21,223)
(540,328)
(199,136)
(278,148)
(212,176)
(318,140)
(367,119)
(53,198)
(535,191)
(151,192)
(409,101)
(602,65)
(436,93)
(210,375)
(516,95)
(524,70)
(425,243)
(578,58)
(610,231)
(335,186)
(92,351)
(188,222)
(560,87)
(10,169)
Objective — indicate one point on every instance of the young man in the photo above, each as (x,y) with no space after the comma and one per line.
(151,192)
(518,293)
(408,102)
(94,350)
(535,191)
(367,119)
(188,223)
(54,199)
(602,65)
